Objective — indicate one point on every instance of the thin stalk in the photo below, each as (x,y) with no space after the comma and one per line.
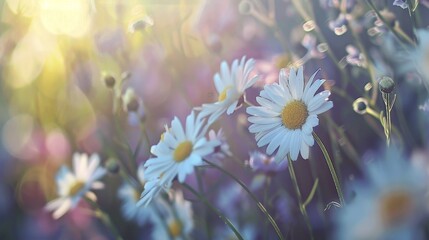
(331,168)
(299,197)
(258,203)
(396,33)
(104,217)
(221,216)
(201,190)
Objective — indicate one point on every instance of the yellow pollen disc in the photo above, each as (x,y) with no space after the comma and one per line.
(294,114)
(136,195)
(75,188)
(182,151)
(162,137)
(222,95)
(395,206)
(175,228)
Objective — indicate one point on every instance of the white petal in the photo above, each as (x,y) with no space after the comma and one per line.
(295,144)
(325,107)
(62,209)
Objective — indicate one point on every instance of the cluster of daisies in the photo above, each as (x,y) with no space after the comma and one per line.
(284,121)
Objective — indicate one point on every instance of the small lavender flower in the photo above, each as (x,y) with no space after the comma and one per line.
(261,162)
(354,57)
(310,43)
(401,3)
(339,25)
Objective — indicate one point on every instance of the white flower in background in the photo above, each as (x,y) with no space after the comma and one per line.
(230,85)
(222,150)
(179,151)
(390,205)
(418,58)
(130,196)
(73,186)
(288,114)
(176,221)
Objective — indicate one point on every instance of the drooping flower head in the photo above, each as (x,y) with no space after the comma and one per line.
(73,186)
(389,206)
(130,196)
(175,221)
(222,150)
(288,114)
(230,84)
(181,149)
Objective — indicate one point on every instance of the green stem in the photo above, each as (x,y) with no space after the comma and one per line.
(331,168)
(258,203)
(299,197)
(104,217)
(205,201)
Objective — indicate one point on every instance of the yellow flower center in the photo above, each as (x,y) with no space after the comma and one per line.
(294,114)
(222,95)
(161,139)
(75,188)
(175,228)
(395,206)
(136,195)
(182,151)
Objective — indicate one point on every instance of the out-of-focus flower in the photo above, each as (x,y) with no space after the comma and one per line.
(310,43)
(141,24)
(425,106)
(339,25)
(222,150)
(401,3)
(268,70)
(132,104)
(354,57)
(418,58)
(230,85)
(260,162)
(176,222)
(232,200)
(287,114)
(389,206)
(178,152)
(130,196)
(72,186)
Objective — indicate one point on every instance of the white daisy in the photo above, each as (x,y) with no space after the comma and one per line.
(72,186)
(130,196)
(287,114)
(230,85)
(175,221)
(179,151)
(390,204)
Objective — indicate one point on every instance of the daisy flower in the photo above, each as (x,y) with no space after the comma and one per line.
(222,150)
(72,186)
(181,149)
(176,220)
(130,196)
(230,85)
(287,114)
(390,205)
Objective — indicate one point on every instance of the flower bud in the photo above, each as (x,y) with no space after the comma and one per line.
(110,81)
(131,102)
(112,166)
(386,84)
(245,7)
